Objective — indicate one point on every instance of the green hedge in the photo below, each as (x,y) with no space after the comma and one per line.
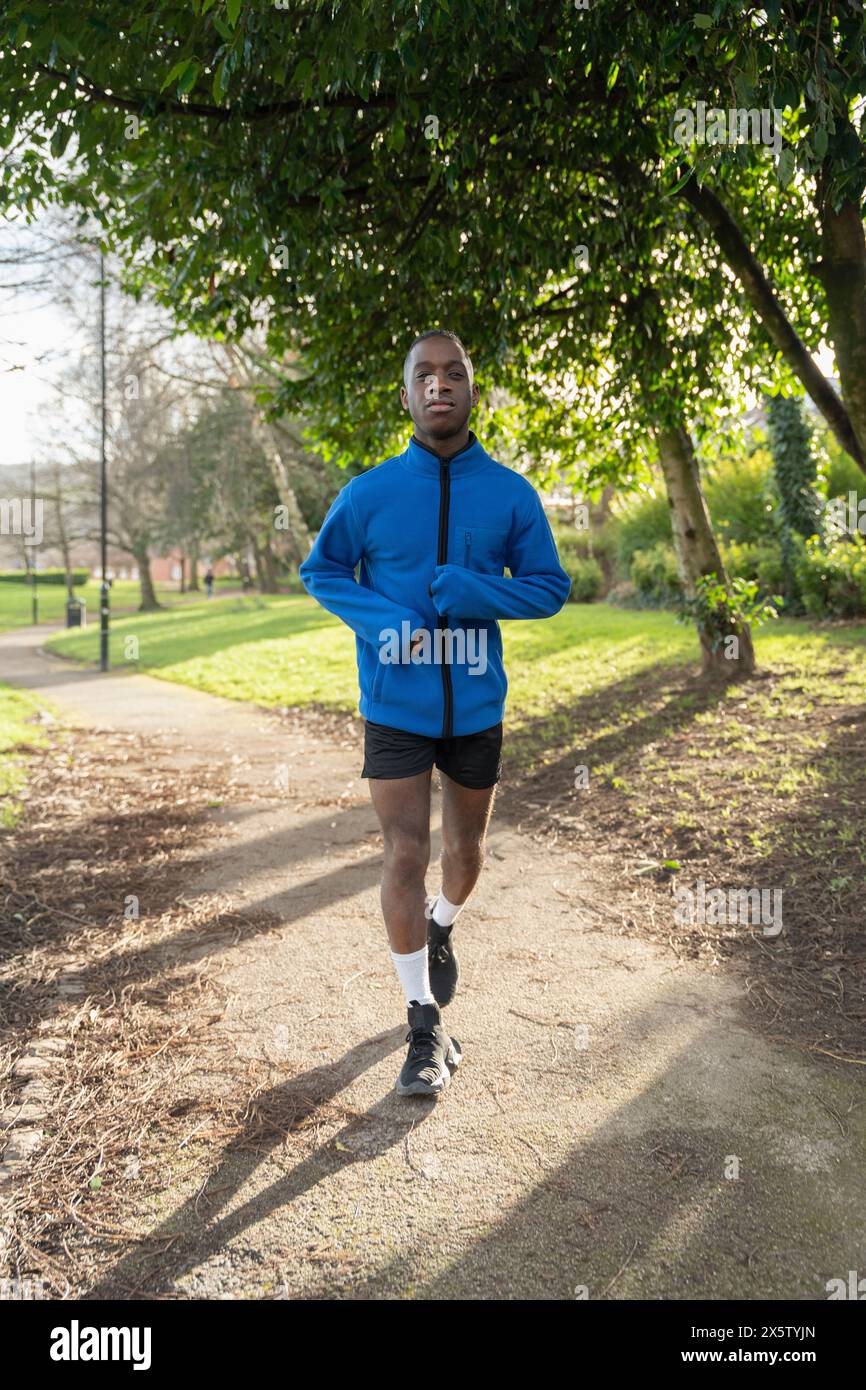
(53,576)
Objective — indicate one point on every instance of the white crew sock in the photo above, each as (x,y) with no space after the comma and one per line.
(444,912)
(414,975)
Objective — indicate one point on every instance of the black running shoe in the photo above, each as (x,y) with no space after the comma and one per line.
(442,963)
(432,1055)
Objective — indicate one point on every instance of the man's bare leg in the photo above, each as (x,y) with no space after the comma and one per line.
(465,816)
(403,807)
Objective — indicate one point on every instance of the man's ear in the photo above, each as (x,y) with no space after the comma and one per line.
(404,398)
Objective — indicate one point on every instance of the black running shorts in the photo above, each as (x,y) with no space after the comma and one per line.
(473,760)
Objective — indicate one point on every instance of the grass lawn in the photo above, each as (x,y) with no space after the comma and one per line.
(599,686)
(16,600)
(17,738)
(757,783)
(286,650)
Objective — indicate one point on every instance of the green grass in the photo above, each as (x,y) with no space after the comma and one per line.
(16,736)
(286,650)
(16,600)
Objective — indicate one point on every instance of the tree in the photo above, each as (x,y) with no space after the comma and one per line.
(298,160)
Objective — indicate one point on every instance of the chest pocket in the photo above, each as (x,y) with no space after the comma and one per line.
(480,548)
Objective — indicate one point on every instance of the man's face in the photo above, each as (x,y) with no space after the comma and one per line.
(438,392)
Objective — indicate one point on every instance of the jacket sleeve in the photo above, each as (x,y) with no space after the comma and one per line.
(328,574)
(538,586)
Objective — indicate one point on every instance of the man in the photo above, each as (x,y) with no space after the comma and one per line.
(433,529)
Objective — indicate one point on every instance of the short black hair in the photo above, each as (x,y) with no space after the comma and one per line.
(437,333)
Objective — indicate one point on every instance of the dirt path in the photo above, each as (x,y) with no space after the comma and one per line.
(607,1087)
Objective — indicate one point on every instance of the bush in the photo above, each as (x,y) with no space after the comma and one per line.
(843,475)
(654,575)
(587,578)
(742,498)
(832,579)
(761,561)
(597,543)
(643,524)
(53,576)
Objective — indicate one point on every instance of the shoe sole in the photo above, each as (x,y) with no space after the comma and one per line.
(453,1058)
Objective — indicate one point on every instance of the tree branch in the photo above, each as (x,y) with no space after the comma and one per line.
(743,262)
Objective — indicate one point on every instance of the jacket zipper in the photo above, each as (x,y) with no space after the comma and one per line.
(442,619)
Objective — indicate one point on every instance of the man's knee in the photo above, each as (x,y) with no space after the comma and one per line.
(466,857)
(407,850)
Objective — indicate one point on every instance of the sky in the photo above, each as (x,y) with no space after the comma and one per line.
(34,337)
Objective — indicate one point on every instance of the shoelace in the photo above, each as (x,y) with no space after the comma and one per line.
(439,953)
(419,1036)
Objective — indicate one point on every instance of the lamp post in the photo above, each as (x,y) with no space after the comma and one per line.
(34,597)
(103,479)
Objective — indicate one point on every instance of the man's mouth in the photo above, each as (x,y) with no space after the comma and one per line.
(441,405)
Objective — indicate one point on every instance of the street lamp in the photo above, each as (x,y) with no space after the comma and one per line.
(103,498)
(34,597)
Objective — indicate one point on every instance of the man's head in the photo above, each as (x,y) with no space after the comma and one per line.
(439,388)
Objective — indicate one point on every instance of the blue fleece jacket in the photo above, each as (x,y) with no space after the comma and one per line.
(432,538)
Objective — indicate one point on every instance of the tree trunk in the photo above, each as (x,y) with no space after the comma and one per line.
(149,601)
(182,573)
(265,572)
(726,646)
(843,275)
(194,585)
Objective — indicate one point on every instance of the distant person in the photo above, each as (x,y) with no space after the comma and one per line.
(208,583)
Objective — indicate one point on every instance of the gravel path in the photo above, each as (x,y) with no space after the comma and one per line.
(618,1129)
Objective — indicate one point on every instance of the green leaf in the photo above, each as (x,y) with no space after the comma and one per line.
(177,71)
(819,142)
(187,82)
(219,81)
(302,72)
(59,140)
(612,75)
(680,183)
(96,1183)
(233,9)
(702,21)
(785,167)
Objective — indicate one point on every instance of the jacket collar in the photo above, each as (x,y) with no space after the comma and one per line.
(420,459)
